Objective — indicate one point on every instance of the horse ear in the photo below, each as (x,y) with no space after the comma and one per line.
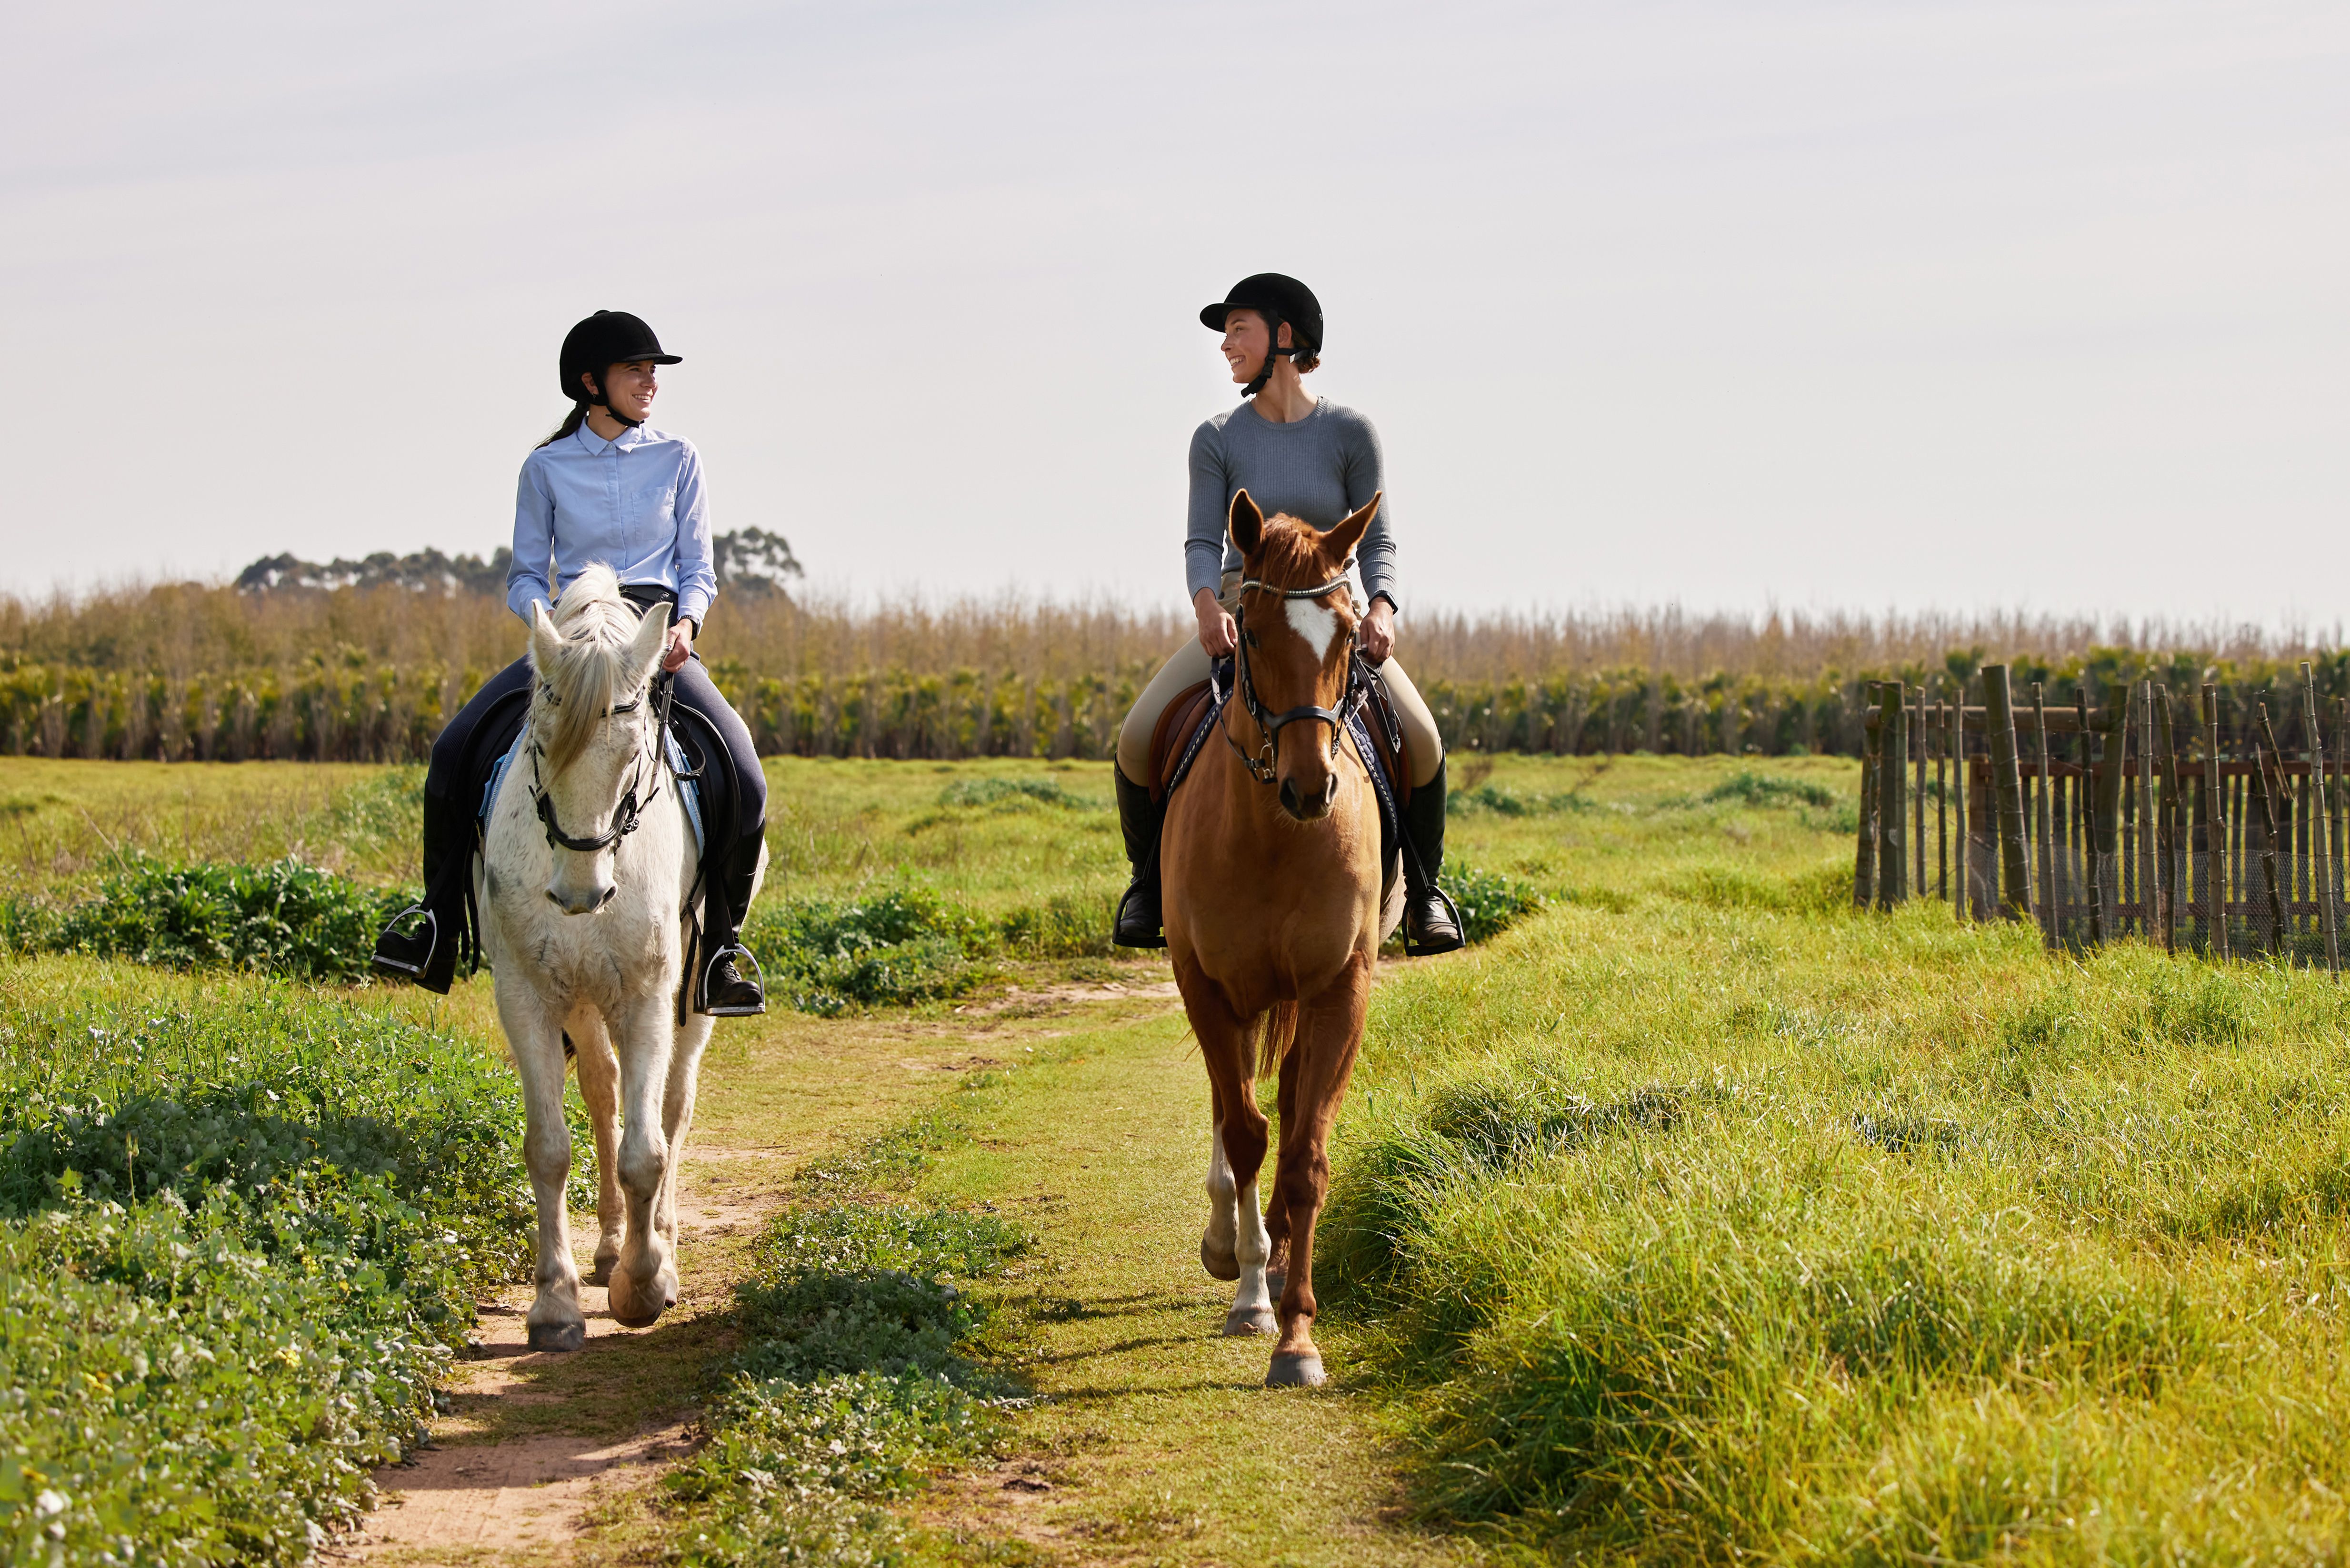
(1343,539)
(653,635)
(1248,522)
(546,642)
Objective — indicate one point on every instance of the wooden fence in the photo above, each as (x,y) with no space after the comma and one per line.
(2214,827)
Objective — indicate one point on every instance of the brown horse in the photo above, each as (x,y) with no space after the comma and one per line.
(1273,887)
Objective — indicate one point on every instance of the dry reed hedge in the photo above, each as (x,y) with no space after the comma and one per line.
(191,671)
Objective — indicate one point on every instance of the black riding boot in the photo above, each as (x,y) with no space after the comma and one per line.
(726,991)
(426,950)
(1139,817)
(1431,923)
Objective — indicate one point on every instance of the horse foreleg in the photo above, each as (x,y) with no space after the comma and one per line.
(535,1038)
(644,1284)
(677,1113)
(1329,1030)
(599,1086)
(1239,1155)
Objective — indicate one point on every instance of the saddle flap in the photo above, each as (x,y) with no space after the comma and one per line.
(1179,723)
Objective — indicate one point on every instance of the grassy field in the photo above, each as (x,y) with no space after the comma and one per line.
(1695,1217)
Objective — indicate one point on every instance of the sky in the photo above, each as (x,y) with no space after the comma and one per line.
(1860,305)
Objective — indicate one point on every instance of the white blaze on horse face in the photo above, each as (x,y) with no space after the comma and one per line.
(1315,621)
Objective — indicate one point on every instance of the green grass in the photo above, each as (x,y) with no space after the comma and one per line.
(856,1381)
(1746,1225)
(241,1229)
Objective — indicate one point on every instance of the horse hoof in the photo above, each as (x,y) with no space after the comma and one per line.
(1247,1321)
(1223,1265)
(1295,1369)
(560,1337)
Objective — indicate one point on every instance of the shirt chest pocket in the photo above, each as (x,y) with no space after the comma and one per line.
(649,501)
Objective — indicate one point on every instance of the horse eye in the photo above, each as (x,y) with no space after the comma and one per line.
(1250,637)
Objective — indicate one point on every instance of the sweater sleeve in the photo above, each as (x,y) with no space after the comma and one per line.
(1375,556)
(1212,497)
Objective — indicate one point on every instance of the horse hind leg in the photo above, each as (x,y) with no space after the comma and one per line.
(1219,1245)
(600,1087)
(1277,1268)
(677,1115)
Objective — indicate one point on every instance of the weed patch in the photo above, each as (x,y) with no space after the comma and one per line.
(853,1387)
(239,1235)
(283,918)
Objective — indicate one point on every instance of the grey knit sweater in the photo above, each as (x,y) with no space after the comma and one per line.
(1317,469)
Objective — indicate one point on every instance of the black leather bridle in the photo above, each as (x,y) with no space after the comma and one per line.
(624,820)
(1263,766)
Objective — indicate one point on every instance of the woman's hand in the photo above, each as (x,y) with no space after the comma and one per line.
(1377,634)
(680,648)
(1216,633)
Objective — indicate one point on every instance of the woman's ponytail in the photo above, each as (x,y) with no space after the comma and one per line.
(570,425)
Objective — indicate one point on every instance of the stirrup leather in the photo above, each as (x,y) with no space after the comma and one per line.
(742,955)
(432,934)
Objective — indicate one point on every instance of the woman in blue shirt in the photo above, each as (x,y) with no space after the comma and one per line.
(606,488)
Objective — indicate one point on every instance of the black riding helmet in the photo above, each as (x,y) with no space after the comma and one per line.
(607,338)
(1278,299)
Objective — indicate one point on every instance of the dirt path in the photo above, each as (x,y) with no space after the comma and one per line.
(1154,1442)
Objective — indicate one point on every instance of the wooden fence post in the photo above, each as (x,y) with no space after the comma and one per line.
(1863,864)
(2007,787)
(2110,779)
(2049,914)
(1960,785)
(2166,845)
(1916,724)
(2321,824)
(1892,782)
(2265,759)
(2215,827)
(2088,799)
(1942,802)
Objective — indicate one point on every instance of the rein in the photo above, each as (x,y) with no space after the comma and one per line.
(1263,766)
(631,810)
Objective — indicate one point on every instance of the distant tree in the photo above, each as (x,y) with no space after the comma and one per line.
(426,571)
(749,560)
(753,560)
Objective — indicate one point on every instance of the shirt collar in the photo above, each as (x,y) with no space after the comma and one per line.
(598,445)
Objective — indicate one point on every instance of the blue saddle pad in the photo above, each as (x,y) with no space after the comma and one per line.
(688,790)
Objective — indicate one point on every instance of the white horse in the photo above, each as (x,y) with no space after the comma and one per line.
(582,885)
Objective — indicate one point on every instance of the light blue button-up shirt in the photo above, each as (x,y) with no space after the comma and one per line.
(635,504)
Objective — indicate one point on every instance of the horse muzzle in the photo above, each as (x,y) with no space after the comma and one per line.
(582,902)
(1309,805)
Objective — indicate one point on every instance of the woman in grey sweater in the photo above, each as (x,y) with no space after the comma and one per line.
(1317,461)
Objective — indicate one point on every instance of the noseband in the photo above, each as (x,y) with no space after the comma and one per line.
(624,820)
(1262,767)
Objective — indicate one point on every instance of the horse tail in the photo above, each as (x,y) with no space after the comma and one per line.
(1276,1031)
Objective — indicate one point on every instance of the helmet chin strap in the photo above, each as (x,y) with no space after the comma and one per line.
(1272,352)
(610,412)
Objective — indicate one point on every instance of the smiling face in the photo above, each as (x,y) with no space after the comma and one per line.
(1245,344)
(628,388)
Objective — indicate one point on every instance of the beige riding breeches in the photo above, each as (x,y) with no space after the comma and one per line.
(1190,667)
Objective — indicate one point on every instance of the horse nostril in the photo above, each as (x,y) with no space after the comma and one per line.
(610,894)
(1329,789)
(1289,796)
